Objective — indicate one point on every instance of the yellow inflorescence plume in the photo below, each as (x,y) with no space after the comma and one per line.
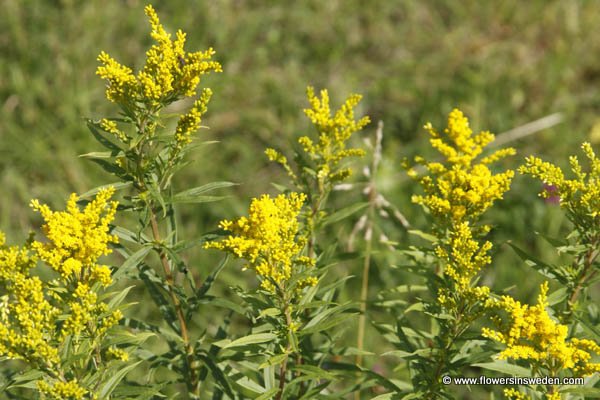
(169,72)
(268,239)
(533,335)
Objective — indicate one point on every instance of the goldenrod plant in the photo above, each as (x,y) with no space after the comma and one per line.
(110,300)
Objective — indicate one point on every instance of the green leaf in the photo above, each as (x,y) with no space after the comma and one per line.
(139,392)
(99,154)
(129,236)
(157,290)
(505,368)
(194,195)
(132,262)
(115,379)
(426,236)
(104,141)
(246,340)
(118,297)
(116,186)
(268,394)
(586,392)
(109,167)
(211,278)
(274,360)
(326,324)
(343,213)
(386,396)
(547,270)
(217,373)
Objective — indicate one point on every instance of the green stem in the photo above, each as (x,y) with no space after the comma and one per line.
(283,367)
(192,382)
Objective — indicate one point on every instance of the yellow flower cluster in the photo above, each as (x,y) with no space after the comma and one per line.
(459,189)
(77,239)
(533,335)
(464,257)
(268,239)
(579,196)
(169,72)
(30,308)
(334,133)
(27,319)
(190,122)
(69,390)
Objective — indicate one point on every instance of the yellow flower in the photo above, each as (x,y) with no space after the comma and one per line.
(30,307)
(59,390)
(461,189)
(579,196)
(458,190)
(27,319)
(190,122)
(77,239)
(169,71)
(514,394)
(334,133)
(532,334)
(268,239)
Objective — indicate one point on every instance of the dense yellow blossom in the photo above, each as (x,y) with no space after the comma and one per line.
(27,319)
(36,316)
(169,72)
(111,126)
(77,239)
(514,394)
(268,239)
(334,133)
(458,190)
(579,196)
(69,390)
(461,189)
(533,335)
(190,122)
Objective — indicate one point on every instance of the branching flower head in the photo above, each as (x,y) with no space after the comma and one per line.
(169,71)
(531,334)
(334,133)
(580,196)
(78,238)
(268,239)
(462,187)
(27,318)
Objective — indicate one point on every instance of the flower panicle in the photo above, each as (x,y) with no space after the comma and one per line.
(268,239)
(168,74)
(531,334)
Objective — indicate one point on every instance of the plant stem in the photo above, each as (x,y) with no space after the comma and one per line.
(192,383)
(283,368)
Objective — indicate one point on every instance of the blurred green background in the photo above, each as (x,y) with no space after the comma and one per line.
(505,64)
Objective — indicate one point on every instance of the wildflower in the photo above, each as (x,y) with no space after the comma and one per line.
(268,239)
(580,196)
(27,318)
(458,191)
(514,394)
(169,71)
(69,390)
(334,133)
(77,239)
(533,335)
(461,189)
(190,122)
(31,307)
